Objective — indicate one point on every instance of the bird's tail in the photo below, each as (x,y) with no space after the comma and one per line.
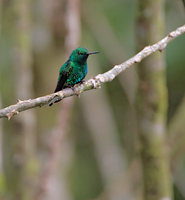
(61,82)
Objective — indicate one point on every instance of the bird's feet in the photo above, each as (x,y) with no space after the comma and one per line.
(54,100)
(82,81)
(76,92)
(74,88)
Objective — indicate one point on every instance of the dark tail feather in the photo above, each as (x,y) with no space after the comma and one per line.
(61,82)
(59,87)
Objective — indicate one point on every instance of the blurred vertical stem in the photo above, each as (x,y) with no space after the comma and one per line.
(152,103)
(20,173)
(56,166)
(104,133)
(24,83)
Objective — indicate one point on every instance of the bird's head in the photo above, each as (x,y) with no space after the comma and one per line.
(80,55)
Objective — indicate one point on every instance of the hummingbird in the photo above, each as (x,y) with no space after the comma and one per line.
(74,70)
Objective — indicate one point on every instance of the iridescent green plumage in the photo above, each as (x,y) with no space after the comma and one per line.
(74,70)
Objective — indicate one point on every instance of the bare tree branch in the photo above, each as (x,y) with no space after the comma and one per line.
(93,83)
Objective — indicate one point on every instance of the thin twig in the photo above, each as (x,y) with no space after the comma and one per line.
(93,83)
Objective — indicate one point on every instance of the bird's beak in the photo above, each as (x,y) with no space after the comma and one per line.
(89,53)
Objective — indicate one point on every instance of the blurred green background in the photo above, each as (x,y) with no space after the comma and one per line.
(88,147)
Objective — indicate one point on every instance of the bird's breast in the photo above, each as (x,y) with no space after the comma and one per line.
(77,75)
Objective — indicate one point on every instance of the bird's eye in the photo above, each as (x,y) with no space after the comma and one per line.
(79,53)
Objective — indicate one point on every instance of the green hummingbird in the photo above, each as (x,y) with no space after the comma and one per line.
(74,70)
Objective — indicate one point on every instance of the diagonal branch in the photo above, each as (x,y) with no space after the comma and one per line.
(93,83)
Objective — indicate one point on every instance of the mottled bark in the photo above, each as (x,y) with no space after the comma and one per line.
(152,103)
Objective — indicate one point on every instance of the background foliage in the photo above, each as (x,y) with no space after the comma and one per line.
(90,148)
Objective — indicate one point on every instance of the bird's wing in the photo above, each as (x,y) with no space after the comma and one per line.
(64,73)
